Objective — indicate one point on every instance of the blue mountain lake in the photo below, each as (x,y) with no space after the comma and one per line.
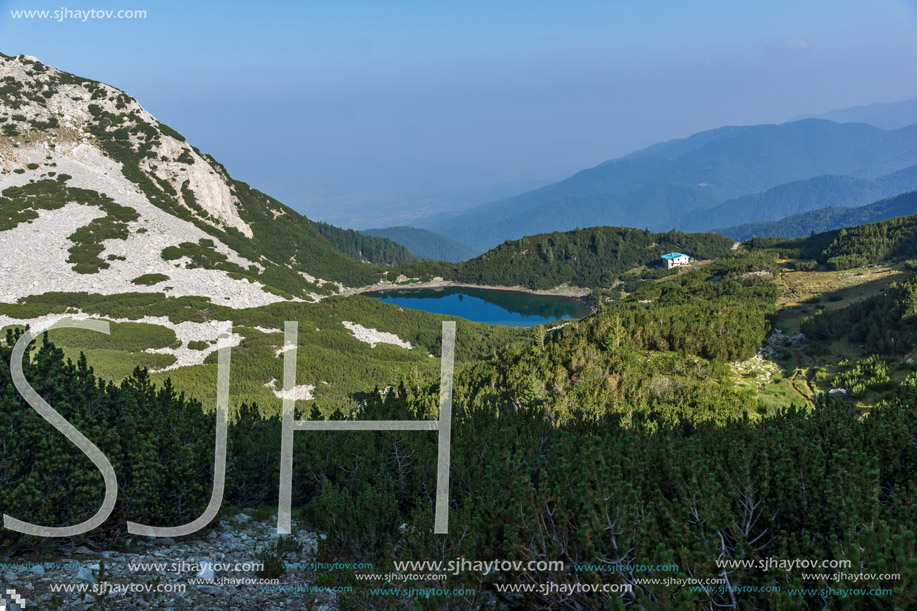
(510,308)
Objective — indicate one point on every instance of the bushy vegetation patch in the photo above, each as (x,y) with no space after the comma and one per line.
(149,279)
(884,324)
(21,204)
(890,240)
(127,336)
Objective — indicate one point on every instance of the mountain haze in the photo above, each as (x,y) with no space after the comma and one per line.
(659,185)
(826,219)
(893,115)
(96,191)
(426,244)
(799,197)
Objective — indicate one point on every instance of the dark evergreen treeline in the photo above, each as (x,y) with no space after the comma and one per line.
(426,244)
(594,257)
(580,448)
(363,247)
(820,485)
(159,443)
(890,240)
(886,323)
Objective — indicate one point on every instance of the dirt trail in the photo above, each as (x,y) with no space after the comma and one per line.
(796,375)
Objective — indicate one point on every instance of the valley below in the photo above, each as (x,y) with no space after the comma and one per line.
(599,409)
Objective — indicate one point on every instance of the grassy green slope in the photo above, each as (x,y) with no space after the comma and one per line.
(594,257)
(889,240)
(340,367)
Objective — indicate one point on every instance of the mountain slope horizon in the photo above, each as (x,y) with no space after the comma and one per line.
(884,115)
(658,185)
(826,219)
(424,243)
(108,194)
(800,197)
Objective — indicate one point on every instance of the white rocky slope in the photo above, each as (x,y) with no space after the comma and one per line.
(69,104)
(49,127)
(36,254)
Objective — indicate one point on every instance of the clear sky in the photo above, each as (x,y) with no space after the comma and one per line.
(367,112)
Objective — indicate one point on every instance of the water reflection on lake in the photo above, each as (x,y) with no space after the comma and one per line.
(511,308)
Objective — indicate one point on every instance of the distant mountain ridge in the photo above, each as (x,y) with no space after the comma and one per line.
(826,219)
(426,244)
(662,184)
(893,115)
(799,197)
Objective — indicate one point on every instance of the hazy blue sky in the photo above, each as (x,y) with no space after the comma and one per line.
(361,111)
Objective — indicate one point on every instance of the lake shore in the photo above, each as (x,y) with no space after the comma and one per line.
(438,283)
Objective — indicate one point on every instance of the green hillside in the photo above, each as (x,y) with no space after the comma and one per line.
(826,219)
(594,257)
(426,244)
(362,247)
(641,403)
(340,367)
(889,240)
